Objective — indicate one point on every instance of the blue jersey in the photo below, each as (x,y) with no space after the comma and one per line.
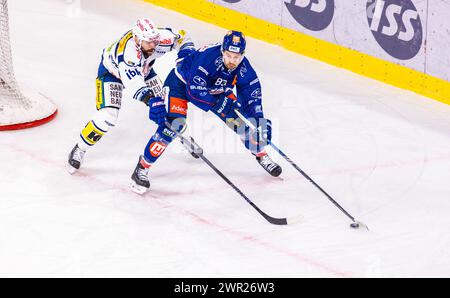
(205,75)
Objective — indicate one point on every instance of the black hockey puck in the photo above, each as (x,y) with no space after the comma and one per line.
(354,225)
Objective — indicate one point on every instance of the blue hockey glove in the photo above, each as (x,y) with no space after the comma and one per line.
(226,103)
(158,110)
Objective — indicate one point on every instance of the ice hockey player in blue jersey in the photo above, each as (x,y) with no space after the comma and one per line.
(128,64)
(206,78)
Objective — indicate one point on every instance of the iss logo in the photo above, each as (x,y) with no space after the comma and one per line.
(315,15)
(396,26)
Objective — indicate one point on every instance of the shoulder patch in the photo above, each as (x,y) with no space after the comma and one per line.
(123,42)
(219,61)
(243,69)
(131,56)
(254,81)
(203,70)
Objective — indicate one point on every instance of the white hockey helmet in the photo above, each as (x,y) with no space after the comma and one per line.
(145,30)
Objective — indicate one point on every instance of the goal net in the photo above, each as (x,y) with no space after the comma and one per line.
(18,109)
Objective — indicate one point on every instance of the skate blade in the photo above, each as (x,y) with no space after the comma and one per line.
(71,169)
(140,190)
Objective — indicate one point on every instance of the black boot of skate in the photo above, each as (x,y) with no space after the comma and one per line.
(269,165)
(75,159)
(140,182)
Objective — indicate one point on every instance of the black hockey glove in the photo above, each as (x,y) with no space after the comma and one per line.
(146,95)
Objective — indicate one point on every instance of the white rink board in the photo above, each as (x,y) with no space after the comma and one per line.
(438,41)
(256,8)
(403,27)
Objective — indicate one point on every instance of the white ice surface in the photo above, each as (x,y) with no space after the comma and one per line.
(382,152)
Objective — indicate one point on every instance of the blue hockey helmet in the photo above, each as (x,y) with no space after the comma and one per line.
(234,42)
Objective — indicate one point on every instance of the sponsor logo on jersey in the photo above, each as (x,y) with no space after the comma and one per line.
(131,73)
(224,103)
(166,41)
(257,93)
(203,70)
(94,137)
(218,61)
(396,26)
(243,70)
(178,106)
(254,81)
(315,15)
(115,93)
(157,148)
(178,110)
(199,81)
(123,42)
(192,87)
(91,134)
(169,133)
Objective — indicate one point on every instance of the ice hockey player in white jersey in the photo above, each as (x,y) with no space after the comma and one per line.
(127,64)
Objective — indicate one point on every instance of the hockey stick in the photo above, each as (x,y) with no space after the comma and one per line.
(355,223)
(190,144)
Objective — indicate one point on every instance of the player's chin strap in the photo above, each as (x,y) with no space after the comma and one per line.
(354,224)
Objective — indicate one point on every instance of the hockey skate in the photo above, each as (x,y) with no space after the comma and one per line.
(140,182)
(75,159)
(269,165)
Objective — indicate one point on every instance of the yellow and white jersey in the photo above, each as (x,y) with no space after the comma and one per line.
(127,51)
(125,60)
